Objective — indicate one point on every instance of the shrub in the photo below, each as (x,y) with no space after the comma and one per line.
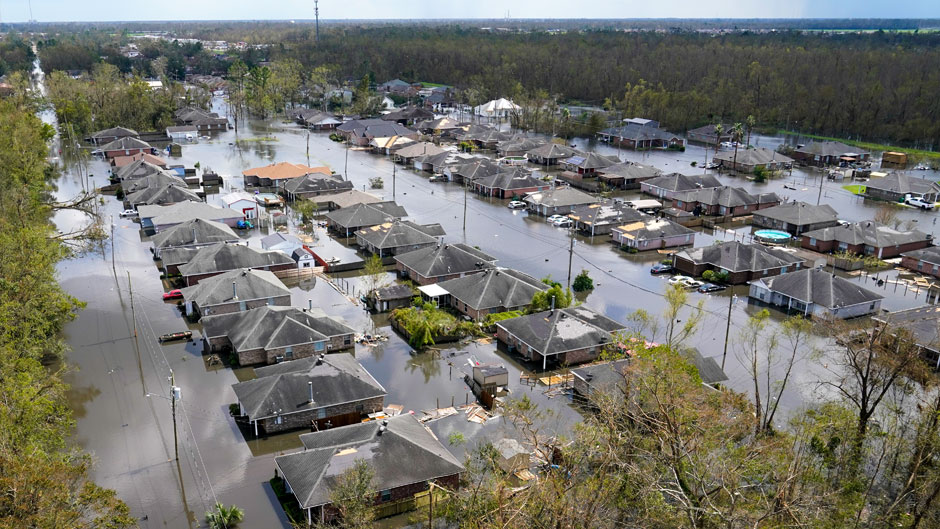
(708,275)
(760,174)
(376,182)
(582,282)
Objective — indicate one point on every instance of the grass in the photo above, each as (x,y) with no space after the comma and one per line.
(856,189)
(256,139)
(933,155)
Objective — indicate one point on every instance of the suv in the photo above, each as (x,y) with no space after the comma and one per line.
(516,204)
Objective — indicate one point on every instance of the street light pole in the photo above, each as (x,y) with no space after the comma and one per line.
(174,395)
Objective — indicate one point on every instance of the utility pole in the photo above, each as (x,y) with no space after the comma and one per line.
(133,311)
(174,395)
(430,504)
(308,147)
(346,168)
(465,204)
(394,172)
(727,328)
(316,14)
(113,269)
(570,255)
(819,196)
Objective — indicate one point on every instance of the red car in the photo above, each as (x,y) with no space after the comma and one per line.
(173,294)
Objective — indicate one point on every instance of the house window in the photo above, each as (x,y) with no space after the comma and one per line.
(321,413)
(289,353)
(783,270)
(386,495)
(278,419)
(812,241)
(872,306)
(347,340)
(843,246)
(760,295)
(678,203)
(318,346)
(241,305)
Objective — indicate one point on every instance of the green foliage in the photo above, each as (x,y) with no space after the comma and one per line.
(715,277)
(353,495)
(376,182)
(374,274)
(543,300)
(16,55)
(493,318)
(760,174)
(582,282)
(425,324)
(222,517)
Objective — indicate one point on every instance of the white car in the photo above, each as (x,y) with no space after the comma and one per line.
(679,280)
(553,218)
(129,213)
(918,202)
(516,204)
(563,222)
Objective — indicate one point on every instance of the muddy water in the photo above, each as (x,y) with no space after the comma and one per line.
(131,433)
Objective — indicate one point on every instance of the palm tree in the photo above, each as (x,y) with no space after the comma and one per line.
(751,121)
(224,517)
(565,117)
(736,132)
(718,130)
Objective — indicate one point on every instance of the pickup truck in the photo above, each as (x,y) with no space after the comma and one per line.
(918,202)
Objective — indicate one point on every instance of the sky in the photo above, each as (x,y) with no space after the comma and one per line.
(109,10)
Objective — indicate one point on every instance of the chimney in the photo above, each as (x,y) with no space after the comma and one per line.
(309,304)
(310,387)
(194,233)
(320,359)
(553,303)
(383,427)
(234,291)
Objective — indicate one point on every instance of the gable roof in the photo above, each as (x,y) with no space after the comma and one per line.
(126,143)
(115,132)
(153,180)
(400,450)
(800,213)
(514,178)
(169,193)
(445,259)
(735,256)
(409,113)
(138,169)
(553,151)
(560,197)
(638,132)
(681,182)
(477,168)
(902,183)
(812,285)
(277,238)
(225,257)
(606,213)
(317,183)
(755,156)
(344,199)
(869,233)
(495,287)
(519,143)
(726,196)
(273,327)
(419,149)
(360,215)
(196,231)
(630,171)
(248,285)
(591,160)
(829,148)
(123,161)
(286,388)
(930,255)
(185,211)
(560,331)
(400,233)
(284,171)
(922,322)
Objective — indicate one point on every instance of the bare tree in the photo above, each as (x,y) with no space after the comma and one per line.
(677,330)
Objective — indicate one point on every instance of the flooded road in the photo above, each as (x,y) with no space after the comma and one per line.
(120,384)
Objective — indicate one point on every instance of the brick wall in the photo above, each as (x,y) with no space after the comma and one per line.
(228,308)
(580,356)
(405,492)
(305,419)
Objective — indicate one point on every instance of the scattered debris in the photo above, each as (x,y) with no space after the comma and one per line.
(564,378)
(371,339)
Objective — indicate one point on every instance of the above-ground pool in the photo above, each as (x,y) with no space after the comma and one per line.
(772,236)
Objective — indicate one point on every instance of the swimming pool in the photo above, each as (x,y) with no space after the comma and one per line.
(772,236)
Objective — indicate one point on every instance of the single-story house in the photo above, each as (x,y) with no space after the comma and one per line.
(551,153)
(103,137)
(242,201)
(119,162)
(389,298)
(438,127)
(407,154)
(601,379)
(137,169)
(219,258)
(470,171)
(316,119)
(589,164)
(402,452)
(558,200)
(668,186)
(362,131)
(314,185)
(271,334)
(318,392)
(747,160)
(560,337)
(652,234)
(409,114)
(400,236)
(865,238)
(638,136)
(171,259)
(278,174)
(600,218)
(815,292)
(518,146)
(829,153)
(182,132)
(160,218)
(493,290)
(349,220)
(627,175)
(194,233)
(126,146)
(161,195)
(235,291)
(742,262)
(922,325)
(281,242)
(343,199)
(896,186)
(708,134)
(796,217)
(925,261)
(442,262)
(510,182)
(723,201)
(304,257)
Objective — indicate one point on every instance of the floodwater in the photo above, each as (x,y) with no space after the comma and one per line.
(120,383)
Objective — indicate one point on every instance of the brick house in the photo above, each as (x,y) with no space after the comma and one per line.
(797,217)
(865,238)
(391,238)
(403,453)
(652,234)
(601,218)
(235,291)
(491,291)
(514,182)
(442,262)
(925,261)
(126,146)
(269,335)
(560,200)
(627,175)
(220,257)
(896,186)
(278,174)
(551,153)
(723,201)
(742,262)
(319,392)
(315,185)
(603,378)
(161,218)
(668,186)
(561,337)
(348,220)
(815,292)
(195,233)
(829,153)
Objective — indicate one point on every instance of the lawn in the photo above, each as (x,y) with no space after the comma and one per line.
(856,189)
(933,155)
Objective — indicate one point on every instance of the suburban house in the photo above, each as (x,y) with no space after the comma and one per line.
(558,200)
(271,334)
(865,238)
(627,175)
(551,153)
(172,258)
(493,290)
(438,127)
(314,185)
(749,160)
(343,199)
(829,153)
(351,219)
(242,201)
(484,137)
(235,291)
(160,218)
(922,325)
(150,179)
(558,337)
(318,392)
(589,164)
(652,234)
(925,261)
(470,171)
(742,262)
(389,298)
(204,121)
(511,182)
(723,201)
(600,218)
(219,258)
(165,194)
(501,108)
(389,144)
(278,174)
(402,451)
(395,85)
(601,380)
(316,119)
(409,114)
(442,262)
(518,146)
(796,217)
(668,186)
(399,236)
(281,242)
(362,131)
(640,136)
(103,137)
(407,154)
(815,292)
(182,133)
(194,233)
(708,134)
(896,186)
(136,170)
(125,147)
(118,162)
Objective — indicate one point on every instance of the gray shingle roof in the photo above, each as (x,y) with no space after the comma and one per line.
(494,288)
(273,327)
(249,285)
(560,197)
(922,322)
(735,256)
(394,292)
(928,255)
(362,215)
(869,233)
(138,169)
(186,211)
(652,228)
(477,169)
(681,182)
(553,151)
(283,388)
(169,193)
(726,196)
(757,156)
(631,171)
(507,180)
(606,213)
(819,287)
(400,233)
(519,143)
(114,132)
(902,184)
(225,257)
(636,132)
(196,231)
(317,183)
(800,213)
(829,148)
(177,256)
(126,143)
(446,259)
(603,377)
(591,160)
(559,331)
(403,454)
(155,179)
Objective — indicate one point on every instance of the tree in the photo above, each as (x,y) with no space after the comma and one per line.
(374,274)
(222,517)
(365,101)
(582,282)
(751,122)
(286,78)
(353,496)
(678,331)
(887,214)
(555,296)
(236,96)
(718,130)
(736,132)
(752,342)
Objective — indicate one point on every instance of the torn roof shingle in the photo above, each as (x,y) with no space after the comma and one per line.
(560,331)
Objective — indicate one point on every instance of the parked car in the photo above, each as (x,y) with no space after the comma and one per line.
(679,280)
(173,294)
(516,204)
(437,178)
(710,287)
(661,268)
(129,213)
(244,225)
(917,202)
(563,222)
(693,284)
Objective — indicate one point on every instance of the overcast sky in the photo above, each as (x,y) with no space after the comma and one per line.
(103,10)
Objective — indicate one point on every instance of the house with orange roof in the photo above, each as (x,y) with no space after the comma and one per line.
(276,174)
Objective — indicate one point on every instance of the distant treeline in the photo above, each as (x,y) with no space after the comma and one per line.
(16,55)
